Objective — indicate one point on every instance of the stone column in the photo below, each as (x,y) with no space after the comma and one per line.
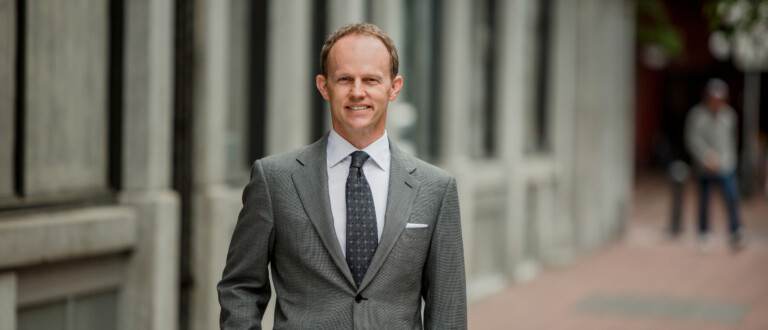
(626,95)
(7,95)
(616,81)
(151,293)
(455,100)
(389,16)
(585,189)
(341,12)
(563,106)
(288,98)
(512,92)
(455,33)
(214,204)
(7,301)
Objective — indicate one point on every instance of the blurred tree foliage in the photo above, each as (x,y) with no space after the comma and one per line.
(739,30)
(654,28)
(732,15)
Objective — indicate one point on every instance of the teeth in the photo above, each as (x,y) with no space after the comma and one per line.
(358,108)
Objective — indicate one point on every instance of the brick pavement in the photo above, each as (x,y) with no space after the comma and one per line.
(647,280)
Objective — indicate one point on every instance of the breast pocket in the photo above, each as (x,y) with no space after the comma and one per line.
(416,236)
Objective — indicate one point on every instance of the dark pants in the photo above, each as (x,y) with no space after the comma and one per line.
(729,186)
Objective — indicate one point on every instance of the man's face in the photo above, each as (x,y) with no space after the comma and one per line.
(359,87)
(715,102)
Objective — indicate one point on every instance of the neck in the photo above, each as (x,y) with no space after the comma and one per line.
(360,140)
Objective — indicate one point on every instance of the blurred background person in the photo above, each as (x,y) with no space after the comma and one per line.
(710,135)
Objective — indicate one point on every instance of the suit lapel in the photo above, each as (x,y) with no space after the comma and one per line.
(403,188)
(311,182)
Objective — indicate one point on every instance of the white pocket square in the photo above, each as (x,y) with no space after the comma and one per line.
(416,225)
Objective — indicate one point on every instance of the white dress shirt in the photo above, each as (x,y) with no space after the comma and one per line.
(376,171)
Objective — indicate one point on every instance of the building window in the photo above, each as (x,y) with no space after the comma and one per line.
(537,117)
(247,87)
(320,112)
(65,108)
(483,114)
(77,295)
(93,311)
(420,61)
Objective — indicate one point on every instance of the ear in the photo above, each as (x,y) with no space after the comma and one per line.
(397,85)
(322,86)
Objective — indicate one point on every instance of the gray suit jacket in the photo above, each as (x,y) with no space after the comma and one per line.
(286,222)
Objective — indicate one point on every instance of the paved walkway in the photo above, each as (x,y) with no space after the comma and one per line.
(647,280)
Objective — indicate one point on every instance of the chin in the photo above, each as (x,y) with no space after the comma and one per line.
(359,124)
(358,129)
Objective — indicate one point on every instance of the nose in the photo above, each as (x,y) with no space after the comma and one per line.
(357,89)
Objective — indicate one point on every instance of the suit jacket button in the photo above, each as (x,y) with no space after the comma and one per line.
(358,298)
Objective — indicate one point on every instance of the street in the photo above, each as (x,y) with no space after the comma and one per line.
(647,279)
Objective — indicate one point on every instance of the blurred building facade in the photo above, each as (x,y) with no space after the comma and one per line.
(128,130)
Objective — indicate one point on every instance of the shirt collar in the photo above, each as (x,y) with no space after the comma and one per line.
(339,149)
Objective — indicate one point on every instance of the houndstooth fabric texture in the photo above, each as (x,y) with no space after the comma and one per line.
(286,226)
(362,234)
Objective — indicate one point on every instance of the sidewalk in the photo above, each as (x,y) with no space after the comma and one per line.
(647,280)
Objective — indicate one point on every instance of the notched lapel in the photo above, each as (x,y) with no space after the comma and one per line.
(403,188)
(311,184)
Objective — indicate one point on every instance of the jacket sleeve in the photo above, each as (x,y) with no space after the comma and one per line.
(244,289)
(444,281)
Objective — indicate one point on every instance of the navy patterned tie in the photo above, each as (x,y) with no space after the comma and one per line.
(362,233)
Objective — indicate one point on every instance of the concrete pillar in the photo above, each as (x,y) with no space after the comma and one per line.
(585,189)
(622,76)
(547,223)
(215,211)
(151,294)
(214,204)
(148,88)
(563,84)
(289,68)
(511,103)
(240,63)
(603,162)
(610,30)
(388,15)
(455,101)
(455,51)
(7,95)
(619,88)
(7,301)
(341,12)
(626,93)
(211,92)
(152,283)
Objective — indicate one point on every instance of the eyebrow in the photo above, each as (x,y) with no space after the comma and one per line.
(377,75)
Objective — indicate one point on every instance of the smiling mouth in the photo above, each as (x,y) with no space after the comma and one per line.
(358,108)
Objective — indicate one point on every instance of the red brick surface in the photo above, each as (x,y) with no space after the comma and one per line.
(647,263)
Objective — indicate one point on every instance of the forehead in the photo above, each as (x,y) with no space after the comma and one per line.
(358,51)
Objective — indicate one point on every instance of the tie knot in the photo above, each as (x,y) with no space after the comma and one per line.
(358,158)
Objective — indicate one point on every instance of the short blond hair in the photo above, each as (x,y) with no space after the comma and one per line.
(365,29)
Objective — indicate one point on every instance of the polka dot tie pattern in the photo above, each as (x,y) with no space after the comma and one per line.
(362,232)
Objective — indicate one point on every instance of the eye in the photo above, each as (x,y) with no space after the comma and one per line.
(343,79)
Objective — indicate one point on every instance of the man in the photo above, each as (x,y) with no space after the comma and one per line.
(710,134)
(356,232)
